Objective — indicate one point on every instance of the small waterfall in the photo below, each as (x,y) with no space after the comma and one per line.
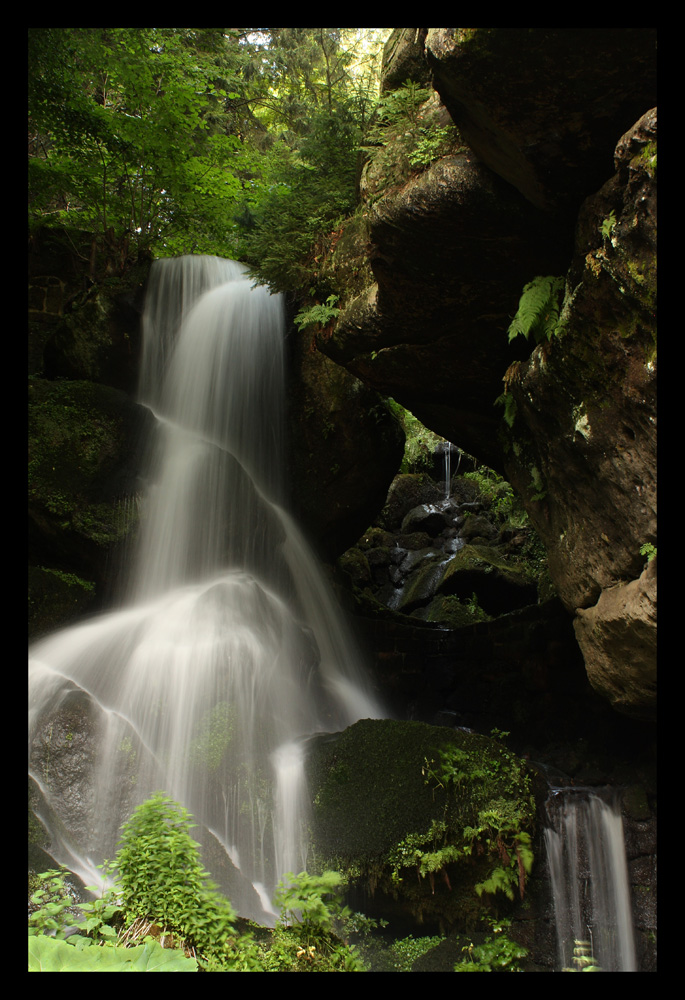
(589,875)
(229,649)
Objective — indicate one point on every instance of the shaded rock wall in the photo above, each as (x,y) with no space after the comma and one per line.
(583,435)
(540,113)
(344,449)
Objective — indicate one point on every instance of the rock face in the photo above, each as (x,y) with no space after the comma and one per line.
(583,431)
(617,636)
(539,113)
(344,449)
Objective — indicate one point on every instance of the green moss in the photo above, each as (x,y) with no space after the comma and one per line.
(424,813)
(79,438)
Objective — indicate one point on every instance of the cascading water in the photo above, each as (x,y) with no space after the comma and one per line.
(231,649)
(589,875)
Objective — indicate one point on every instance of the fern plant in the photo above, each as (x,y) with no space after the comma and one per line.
(318,314)
(538,311)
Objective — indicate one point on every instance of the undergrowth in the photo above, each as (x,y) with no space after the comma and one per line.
(160,912)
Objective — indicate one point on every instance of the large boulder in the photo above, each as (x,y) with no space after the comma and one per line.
(450,250)
(617,636)
(431,821)
(452,246)
(542,106)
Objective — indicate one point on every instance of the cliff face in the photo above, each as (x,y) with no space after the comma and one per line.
(551,172)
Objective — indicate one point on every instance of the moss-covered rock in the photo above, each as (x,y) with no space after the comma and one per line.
(83,462)
(439,819)
(55,598)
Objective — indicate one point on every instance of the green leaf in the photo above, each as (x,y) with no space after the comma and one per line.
(51,955)
(538,310)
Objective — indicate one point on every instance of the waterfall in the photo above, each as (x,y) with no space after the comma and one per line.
(589,875)
(448,462)
(228,650)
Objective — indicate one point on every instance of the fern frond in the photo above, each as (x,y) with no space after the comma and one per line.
(538,310)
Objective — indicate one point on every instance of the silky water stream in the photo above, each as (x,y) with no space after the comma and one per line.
(228,649)
(586,854)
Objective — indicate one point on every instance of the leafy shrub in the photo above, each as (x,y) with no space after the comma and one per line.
(497,953)
(407,950)
(160,877)
(161,888)
(317,314)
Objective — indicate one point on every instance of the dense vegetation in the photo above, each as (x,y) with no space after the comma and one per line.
(241,142)
(159,912)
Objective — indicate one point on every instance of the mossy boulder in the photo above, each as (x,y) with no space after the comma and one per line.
(55,598)
(437,820)
(479,569)
(83,463)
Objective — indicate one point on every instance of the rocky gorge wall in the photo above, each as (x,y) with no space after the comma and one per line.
(550,171)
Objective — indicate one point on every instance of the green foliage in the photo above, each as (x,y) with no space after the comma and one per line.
(51,904)
(405,951)
(608,225)
(509,403)
(403,121)
(311,901)
(498,953)
(538,310)
(319,314)
(160,877)
(648,550)
(498,827)
(130,139)
(302,195)
(161,888)
(434,142)
(505,507)
(311,909)
(51,955)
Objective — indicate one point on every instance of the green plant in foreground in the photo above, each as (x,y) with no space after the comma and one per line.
(161,889)
(51,955)
(311,909)
(498,953)
(161,878)
(51,904)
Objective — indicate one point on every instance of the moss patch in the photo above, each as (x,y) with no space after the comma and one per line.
(426,814)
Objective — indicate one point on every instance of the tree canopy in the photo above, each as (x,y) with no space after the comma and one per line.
(237,141)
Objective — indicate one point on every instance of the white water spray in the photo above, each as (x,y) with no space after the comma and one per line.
(232,650)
